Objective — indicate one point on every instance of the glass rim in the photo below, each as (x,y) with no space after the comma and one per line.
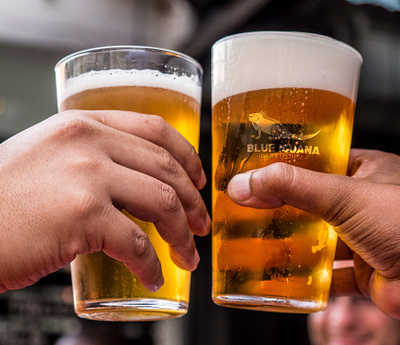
(288,34)
(105,49)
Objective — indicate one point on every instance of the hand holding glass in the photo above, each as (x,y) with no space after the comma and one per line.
(148,81)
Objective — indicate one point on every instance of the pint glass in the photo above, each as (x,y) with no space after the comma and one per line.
(149,81)
(277,97)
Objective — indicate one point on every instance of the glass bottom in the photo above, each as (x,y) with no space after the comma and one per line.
(130,310)
(273,304)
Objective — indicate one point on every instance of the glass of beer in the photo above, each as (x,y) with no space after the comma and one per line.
(277,97)
(149,81)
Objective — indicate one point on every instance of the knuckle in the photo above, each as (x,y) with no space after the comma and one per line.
(167,162)
(338,213)
(71,126)
(83,204)
(157,124)
(84,163)
(169,199)
(278,177)
(84,210)
(142,245)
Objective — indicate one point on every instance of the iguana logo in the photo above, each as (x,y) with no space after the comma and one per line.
(273,128)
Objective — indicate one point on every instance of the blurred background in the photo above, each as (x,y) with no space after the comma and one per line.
(35,34)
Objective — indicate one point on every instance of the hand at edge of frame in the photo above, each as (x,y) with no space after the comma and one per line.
(65,180)
(363,208)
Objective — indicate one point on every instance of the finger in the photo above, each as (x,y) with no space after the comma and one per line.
(126,242)
(375,166)
(141,155)
(367,283)
(156,130)
(351,277)
(354,161)
(363,274)
(385,294)
(344,283)
(154,201)
(343,252)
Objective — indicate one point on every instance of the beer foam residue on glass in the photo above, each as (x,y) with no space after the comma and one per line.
(265,60)
(189,85)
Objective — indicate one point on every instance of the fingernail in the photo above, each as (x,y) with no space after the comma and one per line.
(239,187)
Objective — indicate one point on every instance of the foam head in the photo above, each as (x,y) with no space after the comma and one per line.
(189,85)
(128,66)
(264,60)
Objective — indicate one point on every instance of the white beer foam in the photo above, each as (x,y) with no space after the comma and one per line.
(188,85)
(263,60)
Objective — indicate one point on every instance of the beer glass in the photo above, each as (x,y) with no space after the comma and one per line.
(150,81)
(277,97)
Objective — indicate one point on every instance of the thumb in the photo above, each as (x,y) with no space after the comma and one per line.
(359,209)
(365,215)
(325,195)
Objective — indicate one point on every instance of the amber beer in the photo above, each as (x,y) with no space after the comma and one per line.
(104,289)
(277,97)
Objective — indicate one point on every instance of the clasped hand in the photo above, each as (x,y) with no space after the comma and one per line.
(64,182)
